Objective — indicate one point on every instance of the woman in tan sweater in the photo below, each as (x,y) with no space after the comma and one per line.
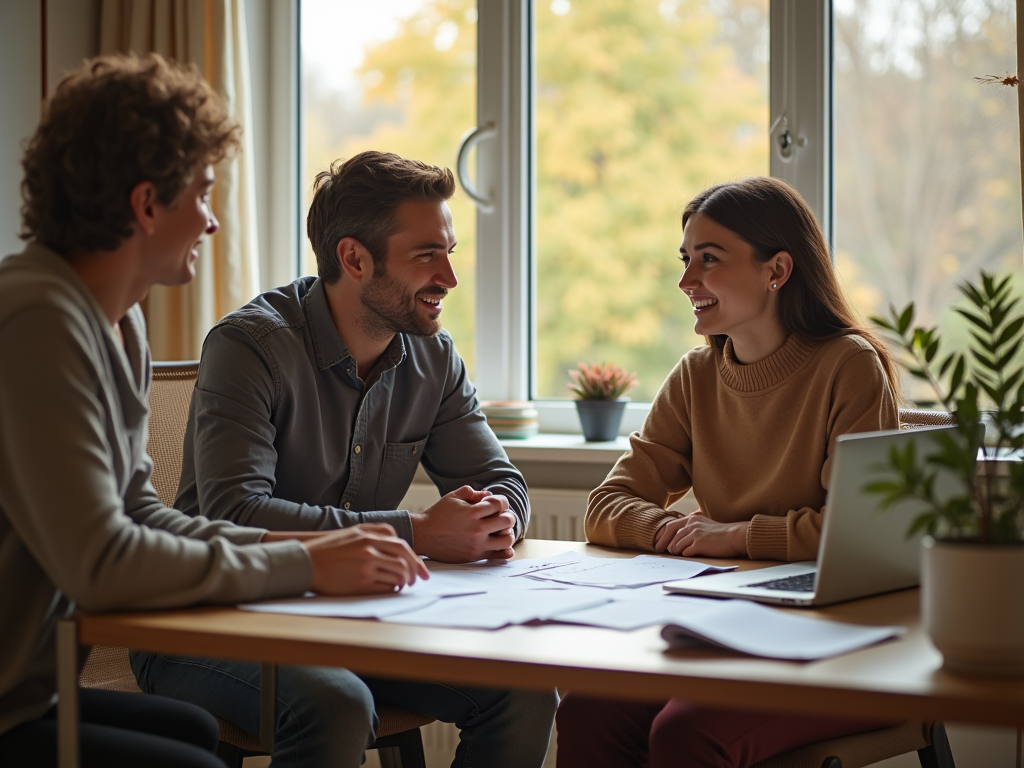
(748,422)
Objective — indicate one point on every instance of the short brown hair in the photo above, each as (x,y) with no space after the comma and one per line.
(770,216)
(113,123)
(358,198)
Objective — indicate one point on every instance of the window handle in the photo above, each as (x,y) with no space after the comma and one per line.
(469,140)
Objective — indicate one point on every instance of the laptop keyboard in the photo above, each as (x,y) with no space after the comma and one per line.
(802,583)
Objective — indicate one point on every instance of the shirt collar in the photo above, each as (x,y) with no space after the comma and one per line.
(327,342)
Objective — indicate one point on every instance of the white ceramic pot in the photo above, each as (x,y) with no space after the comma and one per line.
(972,605)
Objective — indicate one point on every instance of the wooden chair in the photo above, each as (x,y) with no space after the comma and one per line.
(927,739)
(398,735)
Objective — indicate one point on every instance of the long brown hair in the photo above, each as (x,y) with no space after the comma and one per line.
(771,216)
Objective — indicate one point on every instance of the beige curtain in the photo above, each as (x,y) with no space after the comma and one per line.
(210,34)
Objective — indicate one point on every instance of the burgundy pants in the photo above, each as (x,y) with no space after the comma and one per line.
(603,733)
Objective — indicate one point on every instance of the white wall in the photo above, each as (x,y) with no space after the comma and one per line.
(20,95)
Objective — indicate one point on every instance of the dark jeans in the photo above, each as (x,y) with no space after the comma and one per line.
(121,730)
(326,718)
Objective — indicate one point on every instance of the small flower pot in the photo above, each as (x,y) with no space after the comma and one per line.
(971,598)
(600,419)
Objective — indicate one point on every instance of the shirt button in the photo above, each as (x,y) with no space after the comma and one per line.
(414,451)
(358,449)
(346,505)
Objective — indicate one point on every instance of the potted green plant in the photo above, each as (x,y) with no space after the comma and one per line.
(598,389)
(972,580)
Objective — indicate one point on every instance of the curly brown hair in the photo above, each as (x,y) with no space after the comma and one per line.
(358,198)
(113,123)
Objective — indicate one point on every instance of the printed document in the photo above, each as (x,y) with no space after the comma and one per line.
(628,573)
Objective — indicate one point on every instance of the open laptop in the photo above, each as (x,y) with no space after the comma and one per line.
(863,550)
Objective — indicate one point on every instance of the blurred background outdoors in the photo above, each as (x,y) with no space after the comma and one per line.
(639,104)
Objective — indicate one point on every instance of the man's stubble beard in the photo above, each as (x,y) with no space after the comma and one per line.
(391,310)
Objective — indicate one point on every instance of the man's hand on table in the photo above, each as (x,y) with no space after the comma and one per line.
(361,560)
(465,525)
(697,534)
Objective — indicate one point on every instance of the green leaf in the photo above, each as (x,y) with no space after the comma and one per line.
(972,293)
(881,322)
(946,362)
(981,322)
(1008,356)
(986,360)
(1011,330)
(958,375)
(906,318)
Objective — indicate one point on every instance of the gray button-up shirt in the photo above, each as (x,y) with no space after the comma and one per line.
(283,434)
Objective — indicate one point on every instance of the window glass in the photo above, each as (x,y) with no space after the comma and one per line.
(639,105)
(396,76)
(927,164)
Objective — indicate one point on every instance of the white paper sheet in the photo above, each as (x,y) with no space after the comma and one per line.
(378,607)
(640,571)
(762,631)
(498,609)
(449,580)
(627,614)
(507,568)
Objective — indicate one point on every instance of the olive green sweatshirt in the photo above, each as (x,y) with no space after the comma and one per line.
(753,441)
(80,523)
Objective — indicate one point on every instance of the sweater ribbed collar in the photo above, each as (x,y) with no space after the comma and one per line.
(766,373)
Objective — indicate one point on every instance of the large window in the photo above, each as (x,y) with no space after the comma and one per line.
(397,76)
(606,116)
(639,105)
(927,163)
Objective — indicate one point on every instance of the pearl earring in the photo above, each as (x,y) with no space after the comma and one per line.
(775,286)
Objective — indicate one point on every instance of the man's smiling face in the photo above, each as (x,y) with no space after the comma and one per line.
(405,293)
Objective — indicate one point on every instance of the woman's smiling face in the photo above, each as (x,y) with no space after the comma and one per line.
(730,290)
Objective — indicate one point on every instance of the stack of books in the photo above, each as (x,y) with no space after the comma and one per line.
(510,419)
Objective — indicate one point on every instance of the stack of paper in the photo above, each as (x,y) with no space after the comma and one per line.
(621,594)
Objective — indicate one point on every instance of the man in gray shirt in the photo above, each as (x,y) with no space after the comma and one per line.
(314,406)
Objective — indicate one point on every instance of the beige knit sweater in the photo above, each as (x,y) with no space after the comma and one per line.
(754,442)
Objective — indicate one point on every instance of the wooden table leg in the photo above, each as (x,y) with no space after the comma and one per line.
(268,707)
(67,694)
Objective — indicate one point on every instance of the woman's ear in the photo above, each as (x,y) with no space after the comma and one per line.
(779,269)
(355,260)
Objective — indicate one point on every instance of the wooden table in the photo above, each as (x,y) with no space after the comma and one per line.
(900,679)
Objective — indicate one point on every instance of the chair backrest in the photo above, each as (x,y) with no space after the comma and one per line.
(170,394)
(916,419)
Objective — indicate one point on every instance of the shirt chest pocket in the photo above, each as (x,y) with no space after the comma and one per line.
(397,471)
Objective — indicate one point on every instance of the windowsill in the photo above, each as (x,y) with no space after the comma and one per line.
(558,447)
(559,460)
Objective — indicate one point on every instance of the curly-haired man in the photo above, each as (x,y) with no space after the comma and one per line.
(116,200)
